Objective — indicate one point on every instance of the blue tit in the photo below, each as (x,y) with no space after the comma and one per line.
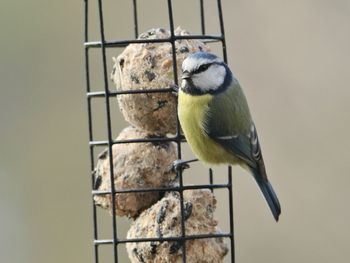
(216,120)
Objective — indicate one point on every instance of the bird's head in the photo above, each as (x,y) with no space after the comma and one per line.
(204,73)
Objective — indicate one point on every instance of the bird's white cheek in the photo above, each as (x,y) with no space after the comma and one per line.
(211,79)
(202,82)
(208,82)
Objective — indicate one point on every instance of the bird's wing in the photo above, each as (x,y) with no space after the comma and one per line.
(228,123)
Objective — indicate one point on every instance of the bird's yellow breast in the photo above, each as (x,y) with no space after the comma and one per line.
(192,113)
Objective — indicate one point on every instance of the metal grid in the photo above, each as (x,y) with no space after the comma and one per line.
(102,44)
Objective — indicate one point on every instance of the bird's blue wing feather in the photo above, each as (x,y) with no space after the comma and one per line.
(228,123)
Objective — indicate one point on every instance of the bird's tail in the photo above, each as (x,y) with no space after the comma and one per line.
(269,194)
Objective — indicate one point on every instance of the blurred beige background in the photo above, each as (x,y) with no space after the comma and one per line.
(291,57)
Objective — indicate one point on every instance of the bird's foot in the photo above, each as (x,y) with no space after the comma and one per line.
(180,165)
(175,89)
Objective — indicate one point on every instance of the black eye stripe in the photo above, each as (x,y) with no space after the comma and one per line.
(202,68)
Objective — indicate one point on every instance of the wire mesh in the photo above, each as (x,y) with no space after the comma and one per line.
(106,93)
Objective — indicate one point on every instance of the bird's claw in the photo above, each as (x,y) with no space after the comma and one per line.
(180,165)
(98,180)
(175,89)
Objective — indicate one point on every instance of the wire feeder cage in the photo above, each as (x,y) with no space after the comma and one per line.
(106,94)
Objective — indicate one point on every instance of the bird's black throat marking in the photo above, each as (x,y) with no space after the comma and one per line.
(191,89)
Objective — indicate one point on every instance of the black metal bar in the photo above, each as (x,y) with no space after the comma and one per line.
(163,239)
(211,180)
(202,16)
(178,131)
(136,25)
(143,140)
(124,43)
(222,29)
(230,196)
(99,94)
(87,78)
(109,131)
(163,189)
(231,215)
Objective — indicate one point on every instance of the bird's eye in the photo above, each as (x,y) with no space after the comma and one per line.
(202,68)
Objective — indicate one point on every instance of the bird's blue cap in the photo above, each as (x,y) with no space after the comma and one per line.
(202,54)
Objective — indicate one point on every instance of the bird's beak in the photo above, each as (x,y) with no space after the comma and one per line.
(186,75)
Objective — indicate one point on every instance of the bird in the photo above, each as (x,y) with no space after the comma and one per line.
(216,121)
